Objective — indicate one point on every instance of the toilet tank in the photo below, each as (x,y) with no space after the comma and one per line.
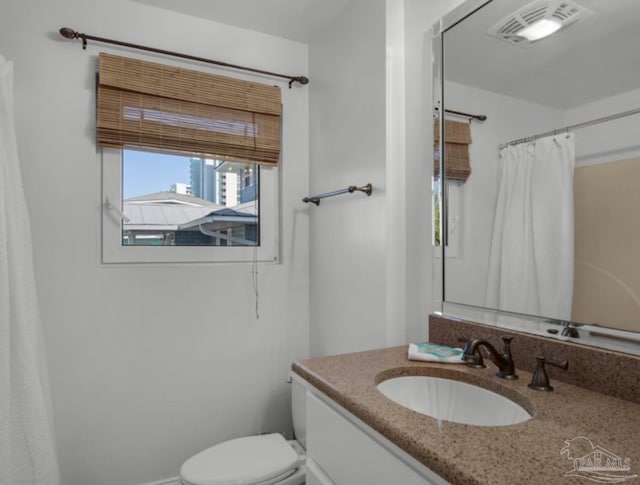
(299,410)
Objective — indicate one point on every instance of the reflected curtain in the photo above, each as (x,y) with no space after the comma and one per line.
(27,450)
(531,254)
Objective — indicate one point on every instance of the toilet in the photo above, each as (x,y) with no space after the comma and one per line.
(267,459)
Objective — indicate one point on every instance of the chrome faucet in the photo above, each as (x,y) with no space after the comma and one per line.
(504,361)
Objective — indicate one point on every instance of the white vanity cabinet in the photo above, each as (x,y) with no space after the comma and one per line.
(342,450)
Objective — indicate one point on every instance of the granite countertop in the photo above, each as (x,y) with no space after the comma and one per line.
(528,452)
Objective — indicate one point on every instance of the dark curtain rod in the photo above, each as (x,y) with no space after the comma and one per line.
(69,33)
(466,115)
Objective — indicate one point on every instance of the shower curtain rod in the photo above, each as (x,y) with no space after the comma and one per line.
(566,129)
(69,33)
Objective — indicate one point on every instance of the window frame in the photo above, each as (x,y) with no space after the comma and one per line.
(455,194)
(114,252)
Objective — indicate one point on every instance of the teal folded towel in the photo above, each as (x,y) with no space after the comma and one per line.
(435,353)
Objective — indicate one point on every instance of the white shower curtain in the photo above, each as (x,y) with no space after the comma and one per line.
(531,255)
(27,450)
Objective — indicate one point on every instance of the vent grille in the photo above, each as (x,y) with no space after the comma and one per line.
(563,11)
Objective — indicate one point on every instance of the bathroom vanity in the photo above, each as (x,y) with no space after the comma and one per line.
(357,435)
(343,450)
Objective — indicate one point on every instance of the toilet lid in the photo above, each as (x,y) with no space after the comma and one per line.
(242,461)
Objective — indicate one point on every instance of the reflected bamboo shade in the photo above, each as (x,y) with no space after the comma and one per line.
(158,107)
(456,149)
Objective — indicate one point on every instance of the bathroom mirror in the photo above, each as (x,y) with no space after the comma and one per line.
(543,235)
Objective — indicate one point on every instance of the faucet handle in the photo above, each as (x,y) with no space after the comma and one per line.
(540,379)
(508,368)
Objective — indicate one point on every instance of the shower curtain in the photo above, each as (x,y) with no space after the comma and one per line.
(531,254)
(27,450)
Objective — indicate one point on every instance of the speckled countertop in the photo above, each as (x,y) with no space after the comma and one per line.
(528,452)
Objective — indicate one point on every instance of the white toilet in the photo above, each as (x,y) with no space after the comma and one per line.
(267,459)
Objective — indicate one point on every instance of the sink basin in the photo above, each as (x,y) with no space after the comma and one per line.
(452,400)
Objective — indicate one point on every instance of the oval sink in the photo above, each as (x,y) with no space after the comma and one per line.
(452,400)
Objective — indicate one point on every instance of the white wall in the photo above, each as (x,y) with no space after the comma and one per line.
(347,147)
(148,364)
(396,168)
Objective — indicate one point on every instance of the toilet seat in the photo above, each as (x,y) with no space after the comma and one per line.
(252,460)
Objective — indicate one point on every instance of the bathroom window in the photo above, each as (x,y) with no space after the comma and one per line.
(160,207)
(189,164)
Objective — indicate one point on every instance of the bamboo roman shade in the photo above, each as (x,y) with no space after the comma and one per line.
(158,107)
(457,136)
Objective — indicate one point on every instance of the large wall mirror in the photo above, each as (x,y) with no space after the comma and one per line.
(543,225)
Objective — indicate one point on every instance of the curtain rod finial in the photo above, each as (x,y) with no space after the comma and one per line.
(298,79)
(68,33)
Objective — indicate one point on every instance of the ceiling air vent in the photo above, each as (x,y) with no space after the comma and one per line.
(563,12)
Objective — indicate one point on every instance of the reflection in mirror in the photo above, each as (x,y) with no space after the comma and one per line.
(546,223)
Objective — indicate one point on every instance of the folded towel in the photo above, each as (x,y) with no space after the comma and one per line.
(435,353)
